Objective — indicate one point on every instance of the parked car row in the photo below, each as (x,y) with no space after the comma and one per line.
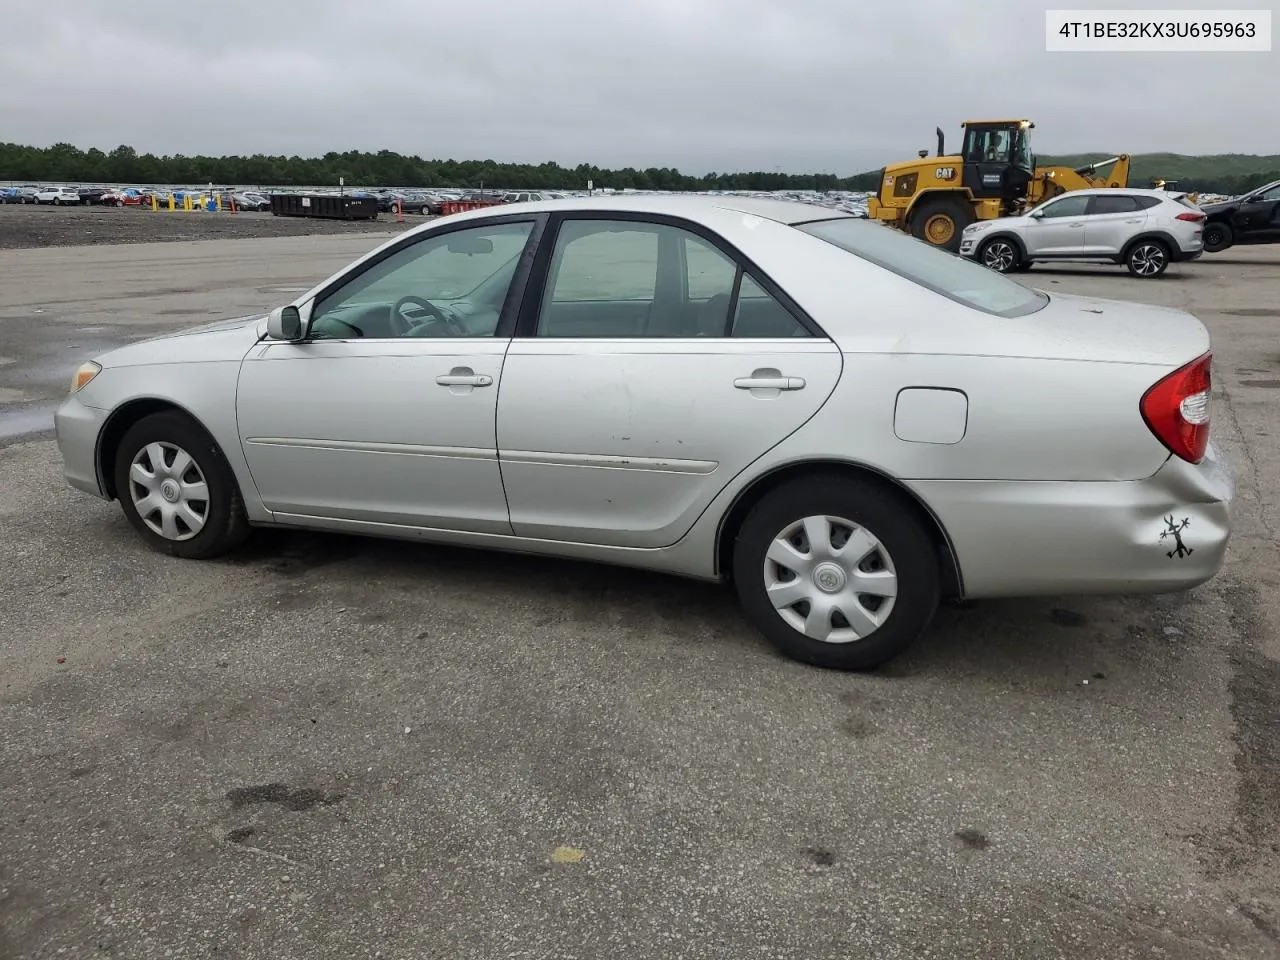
(1143,230)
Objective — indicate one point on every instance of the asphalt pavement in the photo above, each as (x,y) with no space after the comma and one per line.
(335,747)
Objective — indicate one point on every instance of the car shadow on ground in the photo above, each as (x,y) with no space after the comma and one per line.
(1036,639)
(1119,273)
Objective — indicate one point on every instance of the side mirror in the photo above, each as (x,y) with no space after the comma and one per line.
(1037,214)
(285,323)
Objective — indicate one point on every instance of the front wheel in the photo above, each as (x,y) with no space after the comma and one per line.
(837,573)
(941,221)
(1000,255)
(1147,259)
(177,489)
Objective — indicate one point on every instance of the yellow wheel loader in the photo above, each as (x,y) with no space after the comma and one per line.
(994,175)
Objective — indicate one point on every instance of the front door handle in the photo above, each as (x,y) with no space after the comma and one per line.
(1075,224)
(769,383)
(462,380)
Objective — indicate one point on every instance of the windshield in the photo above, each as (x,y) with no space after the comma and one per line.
(953,277)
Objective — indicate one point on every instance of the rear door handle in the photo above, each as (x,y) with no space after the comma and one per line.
(769,383)
(1075,224)
(1139,220)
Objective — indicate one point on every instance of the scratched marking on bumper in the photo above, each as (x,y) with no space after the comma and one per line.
(1174,530)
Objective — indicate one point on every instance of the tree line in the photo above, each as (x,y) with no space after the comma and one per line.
(64,162)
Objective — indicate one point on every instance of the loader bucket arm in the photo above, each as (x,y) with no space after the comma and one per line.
(1049,182)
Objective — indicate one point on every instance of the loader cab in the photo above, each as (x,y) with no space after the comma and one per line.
(998,163)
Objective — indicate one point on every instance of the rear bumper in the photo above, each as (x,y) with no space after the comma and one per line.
(1181,256)
(77,427)
(1024,538)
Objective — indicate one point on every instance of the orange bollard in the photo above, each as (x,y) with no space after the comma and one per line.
(399,210)
(232,200)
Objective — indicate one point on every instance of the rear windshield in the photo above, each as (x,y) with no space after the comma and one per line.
(934,269)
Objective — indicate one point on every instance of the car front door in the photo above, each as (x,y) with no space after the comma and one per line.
(1057,227)
(1259,217)
(1110,221)
(385,412)
(648,369)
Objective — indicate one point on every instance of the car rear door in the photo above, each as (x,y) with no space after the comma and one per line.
(1110,221)
(648,369)
(1057,227)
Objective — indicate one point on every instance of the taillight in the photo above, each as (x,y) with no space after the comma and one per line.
(1192,217)
(1177,409)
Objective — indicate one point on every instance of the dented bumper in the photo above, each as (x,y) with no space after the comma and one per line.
(1165,533)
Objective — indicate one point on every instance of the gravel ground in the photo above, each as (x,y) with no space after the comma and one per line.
(337,747)
(25,226)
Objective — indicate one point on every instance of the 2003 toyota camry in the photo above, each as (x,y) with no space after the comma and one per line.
(845,422)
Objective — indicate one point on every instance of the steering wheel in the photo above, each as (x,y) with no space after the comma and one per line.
(451,324)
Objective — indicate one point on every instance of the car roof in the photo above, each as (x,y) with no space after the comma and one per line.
(1125,191)
(767,208)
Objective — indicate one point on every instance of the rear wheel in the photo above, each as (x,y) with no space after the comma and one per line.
(177,489)
(940,222)
(837,573)
(1000,255)
(1147,259)
(1217,237)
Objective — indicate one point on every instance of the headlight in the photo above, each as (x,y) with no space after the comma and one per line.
(977,227)
(84,373)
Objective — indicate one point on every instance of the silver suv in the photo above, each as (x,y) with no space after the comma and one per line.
(1145,230)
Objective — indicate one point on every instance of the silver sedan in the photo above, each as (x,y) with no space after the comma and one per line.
(844,422)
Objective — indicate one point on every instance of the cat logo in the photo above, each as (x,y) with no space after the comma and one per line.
(945,173)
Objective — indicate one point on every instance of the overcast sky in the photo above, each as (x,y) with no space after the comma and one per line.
(798,85)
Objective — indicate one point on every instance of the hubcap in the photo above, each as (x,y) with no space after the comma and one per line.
(998,256)
(830,579)
(169,491)
(939,228)
(1147,260)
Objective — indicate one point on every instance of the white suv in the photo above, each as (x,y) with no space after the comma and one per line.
(57,196)
(1145,230)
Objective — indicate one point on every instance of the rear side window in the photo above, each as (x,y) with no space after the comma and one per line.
(1109,203)
(953,277)
(1146,203)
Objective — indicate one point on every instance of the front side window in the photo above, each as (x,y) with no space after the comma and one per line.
(1022,151)
(1065,207)
(955,278)
(444,285)
(1266,195)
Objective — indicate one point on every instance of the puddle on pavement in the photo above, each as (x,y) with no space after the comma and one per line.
(19,420)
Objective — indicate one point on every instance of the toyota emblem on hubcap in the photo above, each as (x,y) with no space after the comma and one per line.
(829,577)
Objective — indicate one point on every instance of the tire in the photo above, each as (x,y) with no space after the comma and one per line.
(931,221)
(1001,255)
(225,524)
(1217,237)
(1147,259)
(904,550)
